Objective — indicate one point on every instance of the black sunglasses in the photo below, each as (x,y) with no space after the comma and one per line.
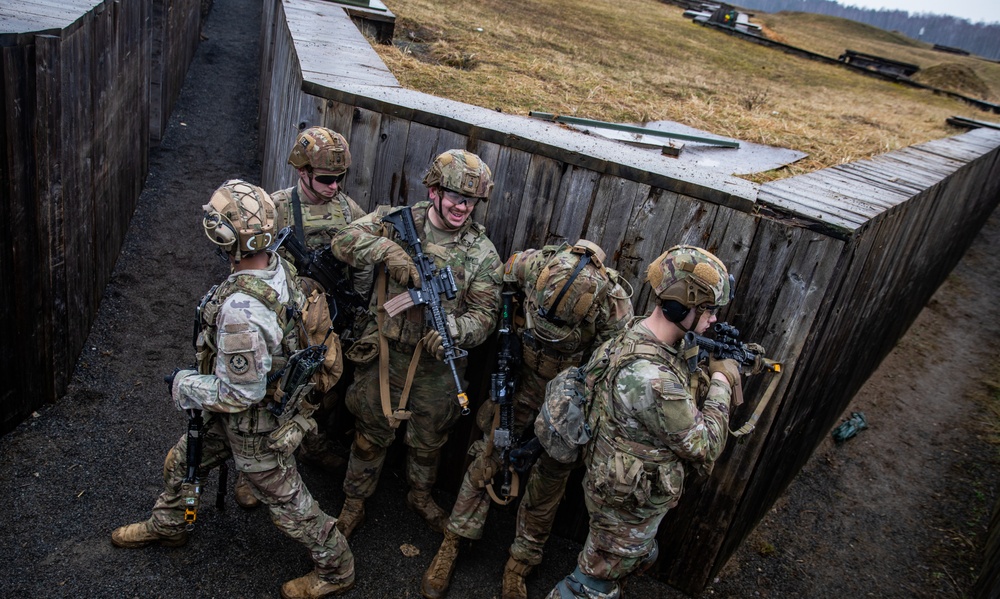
(330,179)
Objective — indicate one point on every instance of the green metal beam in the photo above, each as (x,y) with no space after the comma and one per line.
(571,120)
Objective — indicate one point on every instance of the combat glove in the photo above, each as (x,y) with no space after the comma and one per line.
(731,370)
(400,266)
(433,344)
(758,363)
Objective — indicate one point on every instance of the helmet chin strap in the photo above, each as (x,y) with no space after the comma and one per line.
(437,206)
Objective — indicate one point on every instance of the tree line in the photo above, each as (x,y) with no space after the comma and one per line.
(980,38)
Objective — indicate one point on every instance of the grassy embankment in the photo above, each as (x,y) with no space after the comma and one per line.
(636,61)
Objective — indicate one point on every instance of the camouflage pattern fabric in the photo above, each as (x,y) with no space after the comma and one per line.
(320,222)
(249,338)
(647,430)
(546,481)
(476,266)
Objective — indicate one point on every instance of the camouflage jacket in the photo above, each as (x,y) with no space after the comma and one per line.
(250,340)
(471,255)
(320,222)
(642,410)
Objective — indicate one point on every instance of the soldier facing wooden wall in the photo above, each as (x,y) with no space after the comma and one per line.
(839,259)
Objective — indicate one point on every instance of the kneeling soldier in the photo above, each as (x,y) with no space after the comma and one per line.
(571,303)
(249,329)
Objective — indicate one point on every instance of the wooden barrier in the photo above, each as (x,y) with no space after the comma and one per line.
(76,117)
(831,267)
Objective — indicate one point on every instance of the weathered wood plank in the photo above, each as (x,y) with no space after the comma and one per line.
(509,176)
(573,200)
(386,182)
(537,202)
(365,130)
(421,145)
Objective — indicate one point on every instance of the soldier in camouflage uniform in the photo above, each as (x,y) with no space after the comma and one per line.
(247,334)
(317,207)
(571,303)
(456,181)
(647,428)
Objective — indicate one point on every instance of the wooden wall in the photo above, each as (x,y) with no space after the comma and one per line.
(75,119)
(831,267)
(176,32)
(988,584)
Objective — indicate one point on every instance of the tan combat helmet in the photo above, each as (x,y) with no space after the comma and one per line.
(687,277)
(571,283)
(321,149)
(462,172)
(239,218)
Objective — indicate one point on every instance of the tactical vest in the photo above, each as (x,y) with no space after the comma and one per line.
(320,222)
(287,315)
(407,328)
(603,419)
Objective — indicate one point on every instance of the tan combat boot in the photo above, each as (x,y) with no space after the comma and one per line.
(513,580)
(351,516)
(437,578)
(244,493)
(311,586)
(140,534)
(421,502)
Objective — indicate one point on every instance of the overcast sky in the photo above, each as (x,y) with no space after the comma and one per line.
(973,10)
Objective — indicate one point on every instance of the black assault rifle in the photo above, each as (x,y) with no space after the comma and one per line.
(434,282)
(321,266)
(503,382)
(726,346)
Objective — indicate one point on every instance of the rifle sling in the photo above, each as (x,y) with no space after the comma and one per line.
(752,421)
(515,479)
(297,215)
(395,417)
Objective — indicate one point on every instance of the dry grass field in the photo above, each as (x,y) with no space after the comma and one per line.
(636,61)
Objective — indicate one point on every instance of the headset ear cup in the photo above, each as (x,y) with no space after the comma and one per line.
(674,310)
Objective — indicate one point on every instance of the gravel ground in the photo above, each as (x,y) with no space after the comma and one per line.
(91,462)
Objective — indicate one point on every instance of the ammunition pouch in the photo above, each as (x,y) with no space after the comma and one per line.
(544,360)
(287,437)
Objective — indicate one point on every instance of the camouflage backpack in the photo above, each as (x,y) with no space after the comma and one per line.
(565,422)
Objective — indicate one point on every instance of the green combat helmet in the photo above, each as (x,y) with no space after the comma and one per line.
(239,218)
(687,277)
(462,172)
(321,149)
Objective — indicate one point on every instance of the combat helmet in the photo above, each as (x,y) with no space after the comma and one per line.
(571,283)
(462,172)
(687,277)
(239,218)
(321,149)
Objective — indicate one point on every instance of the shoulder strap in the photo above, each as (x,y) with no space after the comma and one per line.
(297,215)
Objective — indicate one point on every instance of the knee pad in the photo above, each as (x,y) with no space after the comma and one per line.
(365,450)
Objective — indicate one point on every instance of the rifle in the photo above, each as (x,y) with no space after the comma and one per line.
(503,382)
(728,347)
(434,282)
(321,266)
(295,376)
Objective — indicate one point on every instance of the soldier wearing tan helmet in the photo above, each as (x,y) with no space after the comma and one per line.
(246,334)
(569,303)
(317,206)
(387,352)
(647,428)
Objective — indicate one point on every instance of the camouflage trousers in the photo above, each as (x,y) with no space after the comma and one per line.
(540,495)
(293,509)
(619,539)
(434,412)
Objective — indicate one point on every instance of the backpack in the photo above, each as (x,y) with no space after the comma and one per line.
(564,424)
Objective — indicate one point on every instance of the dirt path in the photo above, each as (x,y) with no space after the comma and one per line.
(898,511)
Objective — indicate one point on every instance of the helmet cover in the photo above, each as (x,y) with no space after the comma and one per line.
(239,218)
(690,276)
(462,172)
(321,149)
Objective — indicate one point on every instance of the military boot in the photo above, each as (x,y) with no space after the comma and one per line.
(140,534)
(437,578)
(421,502)
(514,586)
(351,516)
(311,586)
(244,493)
